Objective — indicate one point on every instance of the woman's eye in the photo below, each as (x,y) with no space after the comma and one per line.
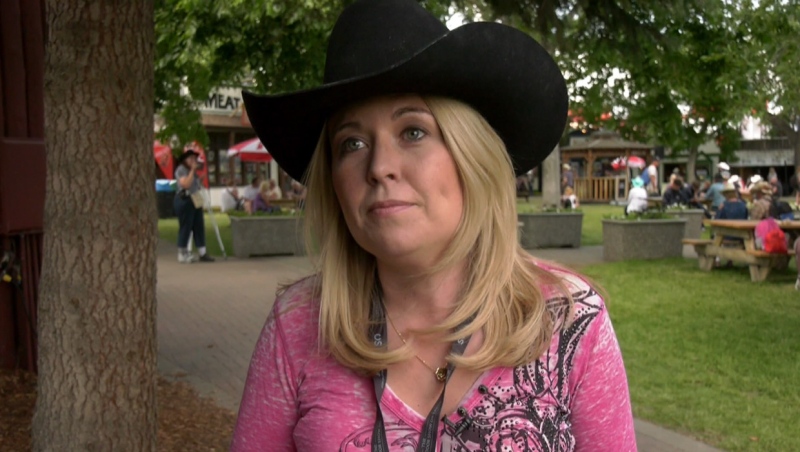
(351,144)
(413,134)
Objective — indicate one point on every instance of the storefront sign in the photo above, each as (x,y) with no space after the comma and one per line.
(224,100)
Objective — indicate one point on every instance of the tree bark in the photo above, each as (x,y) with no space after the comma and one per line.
(97,334)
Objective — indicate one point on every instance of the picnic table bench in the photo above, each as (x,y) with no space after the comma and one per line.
(744,251)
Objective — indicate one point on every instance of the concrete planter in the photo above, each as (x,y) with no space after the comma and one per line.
(642,239)
(267,235)
(694,221)
(550,229)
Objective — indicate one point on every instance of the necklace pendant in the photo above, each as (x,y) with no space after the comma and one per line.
(441,374)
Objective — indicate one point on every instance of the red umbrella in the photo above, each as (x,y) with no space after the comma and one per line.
(250,151)
(636,162)
(618,163)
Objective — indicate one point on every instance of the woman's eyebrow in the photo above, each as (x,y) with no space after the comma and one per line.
(345,125)
(404,110)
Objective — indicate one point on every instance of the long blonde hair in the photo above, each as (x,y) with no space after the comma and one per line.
(502,287)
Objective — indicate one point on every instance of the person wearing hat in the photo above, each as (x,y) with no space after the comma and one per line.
(733,208)
(190,215)
(637,197)
(426,326)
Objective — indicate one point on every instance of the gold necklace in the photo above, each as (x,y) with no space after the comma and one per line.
(440,372)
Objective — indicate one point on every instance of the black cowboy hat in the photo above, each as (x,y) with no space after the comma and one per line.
(186,154)
(395,46)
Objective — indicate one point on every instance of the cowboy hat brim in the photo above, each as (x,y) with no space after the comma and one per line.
(499,71)
(185,155)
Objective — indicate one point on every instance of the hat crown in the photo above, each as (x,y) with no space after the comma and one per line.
(371,36)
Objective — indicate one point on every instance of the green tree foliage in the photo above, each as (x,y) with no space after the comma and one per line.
(767,53)
(268,46)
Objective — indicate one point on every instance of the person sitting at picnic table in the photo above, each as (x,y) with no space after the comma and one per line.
(262,202)
(732,208)
(693,192)
(637,197)
(674,195)
(250,193)
(230,199)
(298,193)
(274,192)
(762,200)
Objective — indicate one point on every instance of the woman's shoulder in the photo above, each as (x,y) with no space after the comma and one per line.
(565,284)
(296,306)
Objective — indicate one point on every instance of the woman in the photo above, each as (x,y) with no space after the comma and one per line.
(262,201)
(190,216)
(426,326)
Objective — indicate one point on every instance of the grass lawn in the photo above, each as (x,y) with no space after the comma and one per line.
(168,232)
(709,354)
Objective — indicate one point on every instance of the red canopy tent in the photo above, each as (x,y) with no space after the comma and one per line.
(250,151)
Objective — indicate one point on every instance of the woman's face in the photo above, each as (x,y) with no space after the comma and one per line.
(395,179)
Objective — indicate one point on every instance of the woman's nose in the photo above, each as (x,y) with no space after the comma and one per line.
(384,161)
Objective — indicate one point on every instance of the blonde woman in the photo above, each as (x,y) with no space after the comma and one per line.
(426,326)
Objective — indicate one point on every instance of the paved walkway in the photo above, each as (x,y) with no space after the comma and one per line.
(210,315)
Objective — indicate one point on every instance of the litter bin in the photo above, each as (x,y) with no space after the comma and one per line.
(165,194)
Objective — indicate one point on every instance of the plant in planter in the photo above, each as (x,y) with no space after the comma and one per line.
(550,227)
(267,233)
(650,235)
(694,219)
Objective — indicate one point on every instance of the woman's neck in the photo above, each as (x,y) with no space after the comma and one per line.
(419,302)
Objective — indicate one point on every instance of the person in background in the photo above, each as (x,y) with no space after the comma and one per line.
(262,202)
(230,199)
(274,192)
(637,197)
(723,169)
(298,194)
(426,326)
(569,200)
(190,217)
(762,200)
(250,194)
(772,173)
(714,192)
(652,178)
(776,187)
(567,178)
(675,195)
(733,208)
(794,183)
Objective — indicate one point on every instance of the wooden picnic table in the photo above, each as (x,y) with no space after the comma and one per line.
(744,251)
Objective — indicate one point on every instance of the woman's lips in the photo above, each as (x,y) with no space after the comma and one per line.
(390,207)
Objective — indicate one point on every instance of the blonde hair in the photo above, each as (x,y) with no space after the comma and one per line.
(502,287)
(264,186)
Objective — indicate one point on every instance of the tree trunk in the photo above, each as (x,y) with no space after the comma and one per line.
(691,165)
(97,335)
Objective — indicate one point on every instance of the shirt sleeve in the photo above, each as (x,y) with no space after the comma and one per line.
(268,412)
(181,171)
(601,409)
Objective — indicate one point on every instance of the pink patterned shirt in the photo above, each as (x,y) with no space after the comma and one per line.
(573,398)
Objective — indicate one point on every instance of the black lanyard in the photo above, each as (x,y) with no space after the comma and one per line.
(427,440)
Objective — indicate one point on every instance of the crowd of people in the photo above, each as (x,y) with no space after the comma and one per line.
(260,196)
